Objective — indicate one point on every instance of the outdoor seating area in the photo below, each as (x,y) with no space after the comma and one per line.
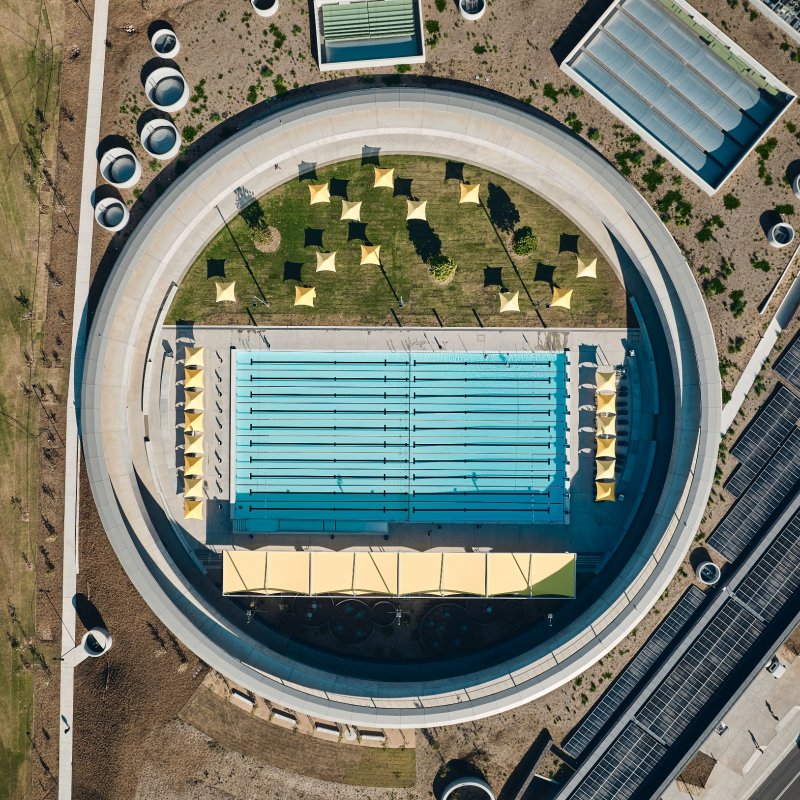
(606,434)
(193,407)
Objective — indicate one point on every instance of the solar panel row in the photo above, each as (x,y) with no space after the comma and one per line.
(773,423)
(634,673)
(788,365)
(755,507)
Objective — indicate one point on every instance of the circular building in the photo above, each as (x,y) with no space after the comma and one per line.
(672,383)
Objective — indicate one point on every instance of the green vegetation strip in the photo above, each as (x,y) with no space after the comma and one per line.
(476,238)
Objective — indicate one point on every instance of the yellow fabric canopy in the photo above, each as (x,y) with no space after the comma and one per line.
(470,193)
(375,573)
(326,262)
(332,573)
(420,573)
(416,209)
(371,254)
(384,178)
(193,487)
(192,509)
(562,298)
(603,491)
(245,571)
(226,292)
(508,573)
(193,444)
(509,301)
(193,466)
(553,574)
(193,378)
(604,470)
(287,572)
(606,448)
(193,421)
(304,295)
(607,426)
(194,357)
(606,403)
(351,211)
(606,380)
(587,269)
(320,193)
(462,573)
(194,400)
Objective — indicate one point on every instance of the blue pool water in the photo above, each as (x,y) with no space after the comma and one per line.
(353,441)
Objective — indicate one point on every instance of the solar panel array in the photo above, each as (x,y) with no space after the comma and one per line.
(788,365)
(763,497)
(773,423)
(624,686)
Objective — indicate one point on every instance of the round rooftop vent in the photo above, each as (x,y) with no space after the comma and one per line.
(160,138)
(167,89)
(96,642)
(709,573)
(472,10)
(781,234)
(468,789)
(796,185)
(265,8)
(120,167)
(165,43)
(111,214)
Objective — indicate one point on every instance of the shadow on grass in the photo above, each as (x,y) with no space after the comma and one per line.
(454,171)
(502,211)
(402,188)
(313,237)
(292,271)
(426,241)
(357,232)
(492,276)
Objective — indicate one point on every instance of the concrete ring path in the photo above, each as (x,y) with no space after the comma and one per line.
(433,122)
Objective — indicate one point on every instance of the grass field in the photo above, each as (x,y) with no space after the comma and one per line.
(476,237)
(29,67)
(297,752)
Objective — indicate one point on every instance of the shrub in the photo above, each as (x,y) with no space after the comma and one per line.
(479,49)
(785,210)
(731,202)
(713,286)
(761,264)
(726,398)
(442,268)
(738,303)
(432,26)
(525,241)
(401,68)
(189,132)
(652,179)
(441,5)
(594,134)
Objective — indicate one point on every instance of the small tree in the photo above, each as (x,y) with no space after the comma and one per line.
(442,268)
(525,241)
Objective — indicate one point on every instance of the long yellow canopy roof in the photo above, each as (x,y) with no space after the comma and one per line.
(604,492)
(194,400)
(193,444)
(606,448)
(606,380)
(192,509)
(606,403)
(193,421)
(604,469)
(194,356)
(607,426)
(193,377)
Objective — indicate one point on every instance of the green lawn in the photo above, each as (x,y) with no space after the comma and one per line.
(477,238)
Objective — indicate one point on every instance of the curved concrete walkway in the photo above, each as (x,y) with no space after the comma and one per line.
(443,124)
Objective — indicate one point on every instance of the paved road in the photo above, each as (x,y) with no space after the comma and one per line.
(783,783)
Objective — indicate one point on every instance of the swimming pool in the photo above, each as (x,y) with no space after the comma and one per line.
(353,441)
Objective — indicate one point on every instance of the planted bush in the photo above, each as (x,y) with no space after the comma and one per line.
(442,268)
(525,241)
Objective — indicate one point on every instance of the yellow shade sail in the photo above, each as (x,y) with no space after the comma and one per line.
(509,301)
(193,378)
(375,573)
(384,178)
(416,209)
(288,572)
(326,262)
(462,573)
(604,492)
(606,380)
(606,403)
(587,269)
(194,357)
(193,444)
(607,426)
(192,509)
(193,487)
(553,574)
(606,448)
(470,193)
(604,470)
(371,254)
(420,573)
(194,400)
(226,292)
(507,573)
(319,193)
(193,421)
(304,295)
(351,211)
(562,298)
(244,571)
(193,466)
(332,573)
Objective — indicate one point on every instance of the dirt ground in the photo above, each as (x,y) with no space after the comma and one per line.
(127,705)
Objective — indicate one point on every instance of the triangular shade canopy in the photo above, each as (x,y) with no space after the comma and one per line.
(226,292)
(606,448)
(470,193)
(384,178)
(193,378)
(415,209)
(193,466)
(192,509)
(351,211)
(371,254)
(194,400)
(193,421)
(193,487)
(603,491)
(509,301)
(605,469)
(304,295)
(606,380)
(606,404)
(587,269)
(193,444)
(320,193)
(607,426)
(193,357)
(326,262)
(562,298)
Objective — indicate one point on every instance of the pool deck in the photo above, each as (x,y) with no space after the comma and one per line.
(593,529)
